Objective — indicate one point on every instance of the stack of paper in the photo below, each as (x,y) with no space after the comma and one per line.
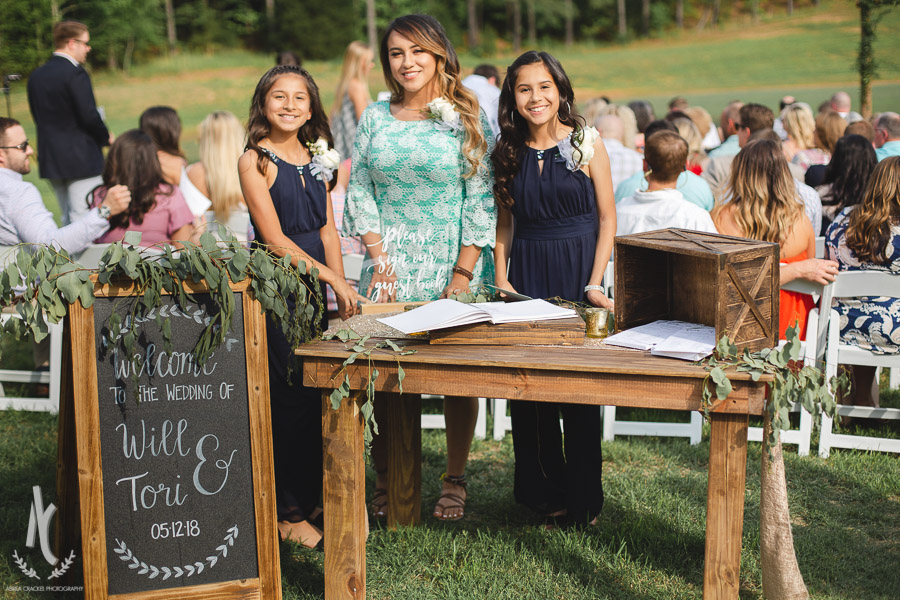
(450,313)
(676,339)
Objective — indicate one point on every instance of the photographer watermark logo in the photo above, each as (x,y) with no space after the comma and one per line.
(39,521)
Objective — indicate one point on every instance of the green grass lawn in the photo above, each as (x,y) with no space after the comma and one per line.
(648,543)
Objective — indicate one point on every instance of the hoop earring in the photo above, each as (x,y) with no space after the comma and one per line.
(568,112)
(512,116)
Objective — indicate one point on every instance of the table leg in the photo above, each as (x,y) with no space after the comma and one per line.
(68,520)
(725,505)
(404,459)
(345,498)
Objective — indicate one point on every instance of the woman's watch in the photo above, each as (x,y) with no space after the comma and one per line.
(104,212)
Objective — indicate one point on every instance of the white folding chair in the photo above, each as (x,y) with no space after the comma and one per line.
(353,264)
(820,247)
(854,284)
(811,350)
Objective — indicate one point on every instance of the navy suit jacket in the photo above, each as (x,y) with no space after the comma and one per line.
(69,129)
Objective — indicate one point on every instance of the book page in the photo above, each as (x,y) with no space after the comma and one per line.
(527,310)
(436,315)
(646,336)
(690,343)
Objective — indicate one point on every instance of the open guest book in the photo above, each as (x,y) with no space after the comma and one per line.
(445,313)
(675,339)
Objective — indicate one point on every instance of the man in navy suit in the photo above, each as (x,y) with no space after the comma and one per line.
(70,130)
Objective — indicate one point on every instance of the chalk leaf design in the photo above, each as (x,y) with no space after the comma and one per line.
(126,555)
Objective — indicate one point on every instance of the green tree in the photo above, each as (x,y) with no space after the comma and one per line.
(870,13)
(25,40)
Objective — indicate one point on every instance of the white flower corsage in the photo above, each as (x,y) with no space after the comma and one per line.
(586,138)
(325,160)
(444,114)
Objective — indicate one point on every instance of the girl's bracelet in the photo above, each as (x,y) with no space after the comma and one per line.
(598,288)
(464,272)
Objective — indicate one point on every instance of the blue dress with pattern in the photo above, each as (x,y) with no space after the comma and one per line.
(870,323)
(409,184)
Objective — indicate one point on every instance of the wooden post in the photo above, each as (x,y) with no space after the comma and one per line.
(725,505)
(404,459)
(345,498)
(68,522)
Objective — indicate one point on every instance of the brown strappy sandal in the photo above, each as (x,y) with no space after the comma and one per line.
(449,500)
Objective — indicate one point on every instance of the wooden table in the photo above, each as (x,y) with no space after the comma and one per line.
(584,375)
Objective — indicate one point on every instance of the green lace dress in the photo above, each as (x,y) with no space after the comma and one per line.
(407,185)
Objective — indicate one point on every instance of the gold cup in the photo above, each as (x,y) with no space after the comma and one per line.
(596,322)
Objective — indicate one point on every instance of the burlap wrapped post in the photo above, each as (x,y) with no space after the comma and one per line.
(781,578)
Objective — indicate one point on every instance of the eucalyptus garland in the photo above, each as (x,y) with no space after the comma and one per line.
(791,383)
(43,281)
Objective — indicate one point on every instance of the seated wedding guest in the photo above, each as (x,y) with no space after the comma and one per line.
(163,126)
(352,96)
(643,113)
(23,216)
(728,123)
(662,205)
(592,109)
(157,208)
(866,237)
(811,202)
(626,117)
(288,57)
(214,178)
(703,120)
(764,205)
(830,127)
(778,126)
(800,128)
(678,103)
(887,135)
(623,162)
(846,176)
(485,82)
(863,128)
(752,117)
(696,158)
(693,187)
(840,103)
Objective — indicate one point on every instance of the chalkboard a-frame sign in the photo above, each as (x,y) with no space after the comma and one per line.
(176,487)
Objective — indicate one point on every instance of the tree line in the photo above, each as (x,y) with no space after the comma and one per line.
(126,31)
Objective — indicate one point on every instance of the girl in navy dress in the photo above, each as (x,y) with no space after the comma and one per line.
(555,230)
(286,175)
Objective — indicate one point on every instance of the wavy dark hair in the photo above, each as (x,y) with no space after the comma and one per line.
(132,162)
(849,171)
(163,126)
(514,128)
(869,224)
(258,126)
(429,34)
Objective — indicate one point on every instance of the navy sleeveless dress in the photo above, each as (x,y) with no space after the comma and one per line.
(296,410)
(552,254)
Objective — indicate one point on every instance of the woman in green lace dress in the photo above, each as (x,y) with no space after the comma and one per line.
(421,197)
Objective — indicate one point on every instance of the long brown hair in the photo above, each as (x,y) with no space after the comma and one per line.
(132,162)
(163,126)
(869,224)
(258,126)
(429,34)
(765,202)
(514,128)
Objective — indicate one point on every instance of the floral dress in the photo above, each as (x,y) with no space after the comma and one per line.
(871,323)
(407,185)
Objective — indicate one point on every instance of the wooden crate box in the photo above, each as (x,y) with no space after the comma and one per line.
(726,282)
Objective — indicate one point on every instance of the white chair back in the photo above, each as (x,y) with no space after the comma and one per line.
(854,284)
(353,265)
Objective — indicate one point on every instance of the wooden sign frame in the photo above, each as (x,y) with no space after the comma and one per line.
(82,390)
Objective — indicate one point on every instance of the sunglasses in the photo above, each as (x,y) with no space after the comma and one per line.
(23,146)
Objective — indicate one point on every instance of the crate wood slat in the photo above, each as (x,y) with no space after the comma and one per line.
(725,282)
(566,332)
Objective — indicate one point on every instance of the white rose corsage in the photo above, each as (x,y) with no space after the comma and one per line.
(586,137)
(444,114)
(325,160)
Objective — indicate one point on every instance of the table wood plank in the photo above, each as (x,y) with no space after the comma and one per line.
(404,459)
(725,506)
(344,499)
